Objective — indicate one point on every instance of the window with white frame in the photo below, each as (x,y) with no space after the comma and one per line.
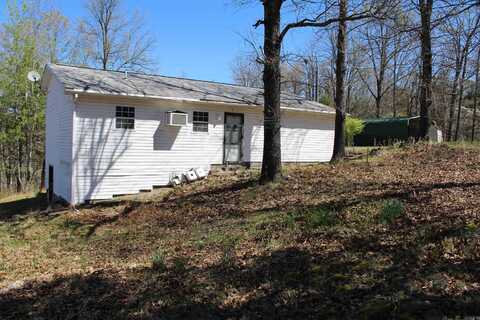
(200,121)
(125,118)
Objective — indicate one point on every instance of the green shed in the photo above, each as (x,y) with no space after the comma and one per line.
(386,131)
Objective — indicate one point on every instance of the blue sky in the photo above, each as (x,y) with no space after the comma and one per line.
(195,38)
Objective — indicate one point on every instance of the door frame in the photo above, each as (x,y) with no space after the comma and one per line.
(242,115)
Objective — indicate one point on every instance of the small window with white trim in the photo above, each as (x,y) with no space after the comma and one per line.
(200,121)
(125,118)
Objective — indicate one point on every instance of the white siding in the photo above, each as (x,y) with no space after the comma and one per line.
(58,146)
(110,161)
(305,137)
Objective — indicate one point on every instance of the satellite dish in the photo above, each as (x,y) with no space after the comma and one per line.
(33,76)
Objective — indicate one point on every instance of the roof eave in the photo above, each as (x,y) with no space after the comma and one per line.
(163,98)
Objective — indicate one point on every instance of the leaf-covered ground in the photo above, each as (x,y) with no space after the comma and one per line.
(397,237)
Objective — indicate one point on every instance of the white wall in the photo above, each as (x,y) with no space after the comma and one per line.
(58,135)
(110,161)
(305,137)
(113,161)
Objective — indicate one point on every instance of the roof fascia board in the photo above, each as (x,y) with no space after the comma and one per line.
(162,98)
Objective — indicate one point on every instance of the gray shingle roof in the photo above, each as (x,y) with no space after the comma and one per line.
(81,79)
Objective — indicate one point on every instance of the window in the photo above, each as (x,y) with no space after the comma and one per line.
(200,121)
(125,118)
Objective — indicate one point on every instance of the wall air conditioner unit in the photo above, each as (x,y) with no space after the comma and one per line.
(176,118)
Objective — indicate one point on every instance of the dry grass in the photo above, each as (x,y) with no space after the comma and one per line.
(316,245)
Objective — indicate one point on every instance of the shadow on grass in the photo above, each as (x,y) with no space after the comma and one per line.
(129,207)
(284,284)
(22,207)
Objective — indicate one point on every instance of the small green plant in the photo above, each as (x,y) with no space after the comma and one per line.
(471,227)
(391,210)
(228,255)
(158,261)
(320,217)
(180,264)
(71,224)
(353,126)
(290,220)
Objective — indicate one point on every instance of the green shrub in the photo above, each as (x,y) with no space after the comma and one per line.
(391,210)
(158,261)
(325,99)
(320,217)
(353,126)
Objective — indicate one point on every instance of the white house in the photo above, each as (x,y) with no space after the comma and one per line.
(111,133)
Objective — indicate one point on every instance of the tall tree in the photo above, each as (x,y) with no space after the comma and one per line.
(55,37)
(272,156)
(273,37)
(476,93)
(110,38)
(458,34)
(339,141)
(22,102)
(378,37)
(246,71)
(425,7)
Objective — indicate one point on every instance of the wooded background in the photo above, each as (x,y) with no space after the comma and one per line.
(382,78)
(383,64)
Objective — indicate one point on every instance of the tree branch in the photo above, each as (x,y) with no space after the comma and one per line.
(258,23)
(320,24)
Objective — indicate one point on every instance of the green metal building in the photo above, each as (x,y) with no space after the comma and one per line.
(386,131)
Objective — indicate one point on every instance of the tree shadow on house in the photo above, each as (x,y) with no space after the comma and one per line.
(99,151)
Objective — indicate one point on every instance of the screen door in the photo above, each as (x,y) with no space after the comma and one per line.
(233,138)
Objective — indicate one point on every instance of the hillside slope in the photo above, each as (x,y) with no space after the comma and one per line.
(397,237)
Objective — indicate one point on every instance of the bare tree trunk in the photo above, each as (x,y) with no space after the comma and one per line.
(8,171)
(381,76)
(460,96)
(475,95)
(394,89)
(19,186)
(453,97)
(348,99)
(272,156)
(28,156)
(307,79)
(413,97)
(444,110)
(339,142)
(378,104)
(426,75)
